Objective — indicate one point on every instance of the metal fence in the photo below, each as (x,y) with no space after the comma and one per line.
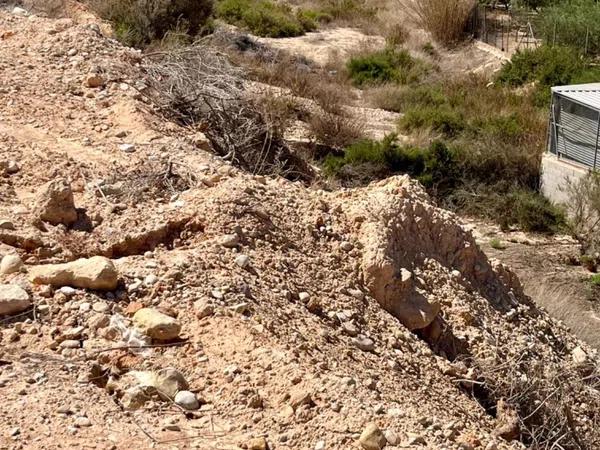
(502,28)
(511,30)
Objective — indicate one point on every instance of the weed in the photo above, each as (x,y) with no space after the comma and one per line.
(265,18)
(385,66)
(595,280)
(497,244)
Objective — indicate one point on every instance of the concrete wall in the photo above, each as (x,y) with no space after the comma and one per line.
(554,174)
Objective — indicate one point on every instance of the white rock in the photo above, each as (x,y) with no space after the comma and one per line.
(11,264)
(13,299)
(19,11)
(229,240)
(187,400)
(127,148)
(68,291)
(242,261)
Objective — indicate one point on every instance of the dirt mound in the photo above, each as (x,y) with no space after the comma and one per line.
(303,316)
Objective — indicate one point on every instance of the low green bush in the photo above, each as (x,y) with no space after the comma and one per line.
(347,10)
(595,280)
(137,23)
(446,121)
(265,18)
(433,166)
(385,66)
(547,66)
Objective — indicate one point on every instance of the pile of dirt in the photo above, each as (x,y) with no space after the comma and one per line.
(250,312)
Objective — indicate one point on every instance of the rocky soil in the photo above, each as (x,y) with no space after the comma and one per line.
(153,296)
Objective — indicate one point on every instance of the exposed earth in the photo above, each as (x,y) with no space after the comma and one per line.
(204,307)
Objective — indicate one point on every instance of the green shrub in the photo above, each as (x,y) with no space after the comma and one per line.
(548,66)
(575,23)
(264,18)
(430,50)
(140,22)
(348,10)
(595,280)
(531,212)
(443,120)
(385,66)
(433,166)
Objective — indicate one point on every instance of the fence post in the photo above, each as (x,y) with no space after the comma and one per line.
(597,136)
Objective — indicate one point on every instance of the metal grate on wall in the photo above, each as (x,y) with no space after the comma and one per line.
(574,131)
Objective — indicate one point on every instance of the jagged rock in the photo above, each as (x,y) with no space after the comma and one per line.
(98,273)
(372,438)
(156,325)
(13,299)
(55,203)
(507,420)
(11,264)
(300,398)
(165,384)
(204,308)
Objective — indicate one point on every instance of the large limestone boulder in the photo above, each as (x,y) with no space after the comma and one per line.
(98,273)
(156,325)
(55,203)
(13,299)
(410,248)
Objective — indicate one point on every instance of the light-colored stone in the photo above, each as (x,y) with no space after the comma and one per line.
(55,204)
(372,438)
(11,264)
(98,273)
(187,400)
(229,240)
(167,382)
(13,299)
(257,444)
(579,355)
(156,325)
(242,261)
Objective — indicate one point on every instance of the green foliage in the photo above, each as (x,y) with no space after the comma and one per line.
(443,120)
(548,66)
(348,10)
(430,50)
(595,280)
(432,166)
(574,23)
(497,244)
(265,18)
(139,22)
(385,66)
(531,212)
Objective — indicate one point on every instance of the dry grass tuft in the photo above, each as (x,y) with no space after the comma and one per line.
(444,19)
(198,87)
